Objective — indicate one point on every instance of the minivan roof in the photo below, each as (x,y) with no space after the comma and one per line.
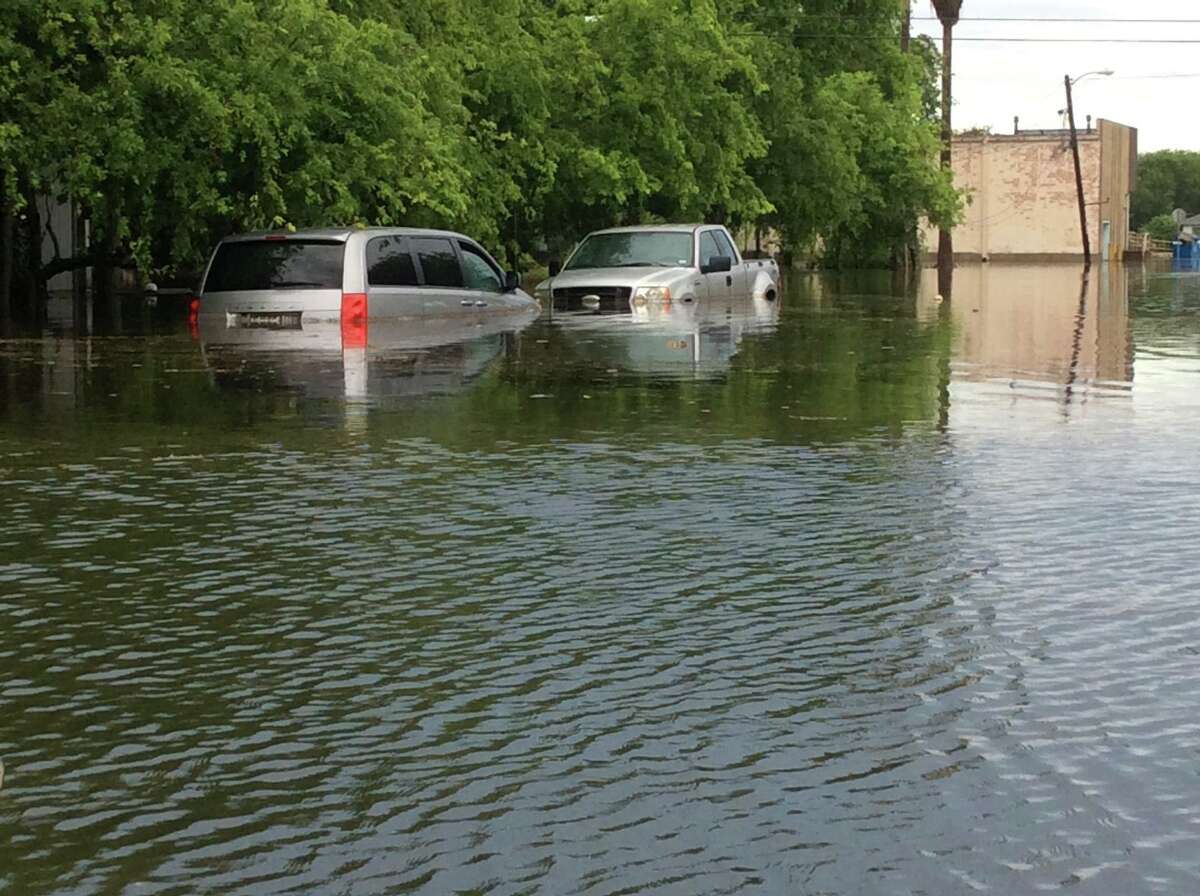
(337,234)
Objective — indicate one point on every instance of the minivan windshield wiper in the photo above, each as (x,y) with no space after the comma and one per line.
(300,284)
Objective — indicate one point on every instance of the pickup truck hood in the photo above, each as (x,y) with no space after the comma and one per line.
(617,277)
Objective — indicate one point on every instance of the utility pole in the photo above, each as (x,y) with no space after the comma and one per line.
(905,25)
(1083,229)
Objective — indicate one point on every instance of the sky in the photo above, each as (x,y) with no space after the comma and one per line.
(995,81)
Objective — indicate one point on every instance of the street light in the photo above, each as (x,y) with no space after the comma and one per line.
(1104,72)
(1068,81)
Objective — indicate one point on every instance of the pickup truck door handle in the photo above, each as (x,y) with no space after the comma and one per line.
(729,281)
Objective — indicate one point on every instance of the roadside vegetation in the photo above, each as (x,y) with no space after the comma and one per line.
(1166,180)
(523,122)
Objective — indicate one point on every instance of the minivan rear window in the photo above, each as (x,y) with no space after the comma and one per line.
(276,264)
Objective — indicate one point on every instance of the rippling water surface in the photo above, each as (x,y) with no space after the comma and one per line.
(860,593)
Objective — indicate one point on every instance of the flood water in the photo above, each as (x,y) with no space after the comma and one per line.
(855,593)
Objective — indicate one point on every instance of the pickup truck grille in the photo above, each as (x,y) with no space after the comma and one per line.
(613,299)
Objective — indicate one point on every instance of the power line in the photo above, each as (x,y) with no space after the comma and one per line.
(1068,20)
(1009,40)
(1039,80)
(1154,77)
(1078,40)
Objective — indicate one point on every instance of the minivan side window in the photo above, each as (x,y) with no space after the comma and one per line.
(439,262)
(726,246)
(389,263)
(479,271)
(708,247)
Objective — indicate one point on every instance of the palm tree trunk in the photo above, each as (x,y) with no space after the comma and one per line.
(945,237)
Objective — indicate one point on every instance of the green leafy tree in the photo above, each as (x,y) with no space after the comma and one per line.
(1166,180)
(1162,227)
(526,122)
(852,125)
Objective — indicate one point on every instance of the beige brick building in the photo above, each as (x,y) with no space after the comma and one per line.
(1022,198)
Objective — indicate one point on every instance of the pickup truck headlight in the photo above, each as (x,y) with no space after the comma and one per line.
(653,293)
(542,290)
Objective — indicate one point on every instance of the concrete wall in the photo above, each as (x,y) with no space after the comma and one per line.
(1022,194)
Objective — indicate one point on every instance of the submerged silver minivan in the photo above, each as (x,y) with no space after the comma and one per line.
(284,280)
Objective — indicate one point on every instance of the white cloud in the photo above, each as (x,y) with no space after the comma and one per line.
(995,81)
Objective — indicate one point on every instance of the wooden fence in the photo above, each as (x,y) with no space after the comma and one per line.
(1144,244)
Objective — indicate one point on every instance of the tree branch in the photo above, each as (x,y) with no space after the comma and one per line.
(50,229)
(88,259)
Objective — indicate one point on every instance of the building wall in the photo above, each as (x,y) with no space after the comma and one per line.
(1118,154)
(1022,195)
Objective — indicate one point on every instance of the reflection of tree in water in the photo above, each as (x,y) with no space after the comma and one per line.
(853,366)
(412,363)
(240,371)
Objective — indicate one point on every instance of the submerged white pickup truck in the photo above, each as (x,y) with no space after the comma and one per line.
(624,268)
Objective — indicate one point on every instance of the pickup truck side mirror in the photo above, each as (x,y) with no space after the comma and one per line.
(554,266)
(717,264)
(512,281)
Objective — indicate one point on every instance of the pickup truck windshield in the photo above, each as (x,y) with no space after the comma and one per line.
(643,249)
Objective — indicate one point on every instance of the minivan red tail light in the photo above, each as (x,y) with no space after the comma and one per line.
(193,317)
(354,320)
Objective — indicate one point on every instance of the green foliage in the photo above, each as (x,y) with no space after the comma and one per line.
(525,122)
(1166,180)
(1161,227)
(852,126)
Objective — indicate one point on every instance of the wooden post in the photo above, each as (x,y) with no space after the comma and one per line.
(1083,229)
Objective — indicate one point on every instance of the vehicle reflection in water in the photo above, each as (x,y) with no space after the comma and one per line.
(402,358)
(692,340)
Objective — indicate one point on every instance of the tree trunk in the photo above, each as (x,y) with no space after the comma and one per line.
(945,239)
(905,25)
(6,253)
(106,301)
(32,287)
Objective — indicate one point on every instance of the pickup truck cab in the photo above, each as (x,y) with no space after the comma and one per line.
(623,268)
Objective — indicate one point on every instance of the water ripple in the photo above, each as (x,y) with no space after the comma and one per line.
(900,648)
